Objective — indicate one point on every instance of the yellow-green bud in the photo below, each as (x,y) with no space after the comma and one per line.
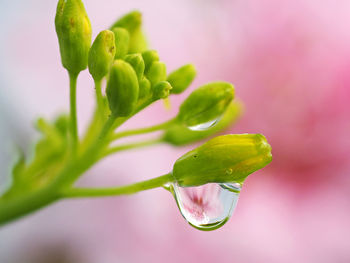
(132,22)
(156,73)
(136,61)
(182,78)
(224,159)
(179,134)
(205,104)
(161,90)
(101,54)
(149,57)
(122,89)
(74,34)
(122,40)
(145,88)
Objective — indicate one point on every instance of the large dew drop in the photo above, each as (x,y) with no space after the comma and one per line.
(204,126)
(209,206)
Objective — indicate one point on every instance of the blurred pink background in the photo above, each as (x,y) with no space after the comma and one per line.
(290,63)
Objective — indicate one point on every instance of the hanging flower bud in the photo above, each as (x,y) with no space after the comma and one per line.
(101,54)
(182,78)
(206,104)
(132,22)
(156,73)
(122,40)
(136,61)
(224,159)
(161,90)
(179,134)
(122,89)
(145,88)
(74,34)
(149,57)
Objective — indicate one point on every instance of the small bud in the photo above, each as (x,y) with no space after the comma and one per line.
(161,90)
(122,89)
(224,159)
(182,78)
(101,54)
(136,61)
(122,40)
(74,34)
(149,57)
(156,73)
(145,88)
(179,134)
(132,22)
(205,104)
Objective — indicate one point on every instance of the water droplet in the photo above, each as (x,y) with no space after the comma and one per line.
(209,206)
(204,126)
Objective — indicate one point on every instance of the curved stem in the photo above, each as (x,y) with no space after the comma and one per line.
(73,110)
(121,190)
(157,127)
(99,97)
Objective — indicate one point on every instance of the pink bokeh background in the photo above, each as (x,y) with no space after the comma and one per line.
(290,63)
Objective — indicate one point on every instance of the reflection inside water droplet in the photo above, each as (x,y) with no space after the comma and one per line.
(209,206)
(204,126)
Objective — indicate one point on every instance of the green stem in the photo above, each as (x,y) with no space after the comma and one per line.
(122,190)
(99,97)
(73,110)
(157,127)
(124,147)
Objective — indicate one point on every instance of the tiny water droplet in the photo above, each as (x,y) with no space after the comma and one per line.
(204,126)
(209,206)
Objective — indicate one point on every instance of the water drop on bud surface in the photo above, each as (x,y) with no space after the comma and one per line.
(207,207)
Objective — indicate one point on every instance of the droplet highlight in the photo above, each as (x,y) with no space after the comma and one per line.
(203,126)
(207,207)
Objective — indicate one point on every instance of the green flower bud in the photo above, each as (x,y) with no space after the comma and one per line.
(206,103)
(101,54)
(161,90)
(227,158)
(122,89)
(179,134)
(149,57)
(182,78)
(74,34)
(145,88)
(156,73)
(136,61)
(132,22)
(122,40)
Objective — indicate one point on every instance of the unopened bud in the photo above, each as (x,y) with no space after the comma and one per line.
(136,61)
(161,90)
(182,78)
(122,40)
(101,54)
(156,73)
(206,104)
(224,159)
(122,89)
(149,57)
(145,88)
(74,34)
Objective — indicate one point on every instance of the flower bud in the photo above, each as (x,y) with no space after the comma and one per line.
(101,54)
(179,134)
(205,104)
(132,22)
(182,78)
(156,73)
(136,61)
(145,88)
(122,89)
(161,90)
(224,159)
(74,34)
(149,57)
(122,40)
